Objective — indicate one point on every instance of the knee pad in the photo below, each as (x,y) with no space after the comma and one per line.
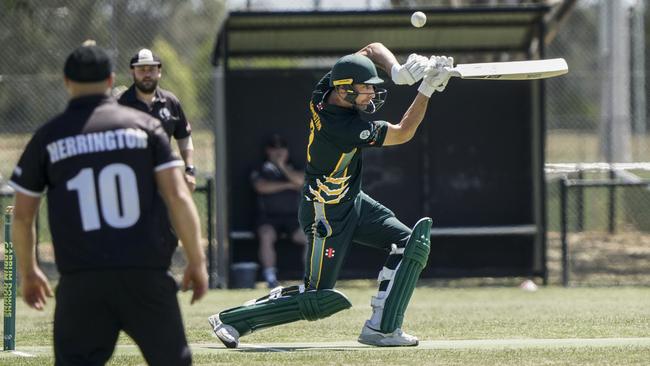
(285,305)
(397,283)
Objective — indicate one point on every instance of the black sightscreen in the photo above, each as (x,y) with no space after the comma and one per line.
(469,165)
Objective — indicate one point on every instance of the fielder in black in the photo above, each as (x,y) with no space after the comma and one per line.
(335,212)
(145,95)
(102,166)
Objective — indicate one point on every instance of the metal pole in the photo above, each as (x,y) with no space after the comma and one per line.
(540,140)
(638,80)
(221,170)
(612,204)
(615,85)
(212,275)
(580,198)
(9,286)
(563,232)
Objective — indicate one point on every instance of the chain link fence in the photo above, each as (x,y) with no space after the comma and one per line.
(37,36)
(577,111)
(607,228)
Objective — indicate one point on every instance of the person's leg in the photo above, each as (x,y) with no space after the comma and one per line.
(85,325)
(329,230)
(408,252)
(314,300)
(152,318)
(267,236)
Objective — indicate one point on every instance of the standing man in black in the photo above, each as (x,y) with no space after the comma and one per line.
(145,95)
(106,170)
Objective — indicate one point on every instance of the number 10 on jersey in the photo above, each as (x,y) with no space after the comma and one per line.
(119,202)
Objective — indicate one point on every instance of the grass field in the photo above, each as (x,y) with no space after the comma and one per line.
(457,326)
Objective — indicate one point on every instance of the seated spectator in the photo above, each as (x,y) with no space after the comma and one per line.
(278,185)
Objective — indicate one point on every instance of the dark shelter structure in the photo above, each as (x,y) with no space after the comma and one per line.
(476,164)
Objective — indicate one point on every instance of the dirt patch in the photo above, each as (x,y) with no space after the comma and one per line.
(602,259)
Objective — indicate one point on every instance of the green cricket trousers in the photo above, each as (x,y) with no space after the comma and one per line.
(332,228)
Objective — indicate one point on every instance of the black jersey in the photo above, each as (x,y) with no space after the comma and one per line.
(337,137)
(97,161)
(284,202)
(165,106)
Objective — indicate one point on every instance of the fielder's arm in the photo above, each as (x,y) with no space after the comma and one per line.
(35,287)
(186,148)
(185,219)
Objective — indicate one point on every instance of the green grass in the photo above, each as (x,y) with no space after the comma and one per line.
(435,314)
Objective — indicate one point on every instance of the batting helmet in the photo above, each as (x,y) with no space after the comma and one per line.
(354,69)
(357,69)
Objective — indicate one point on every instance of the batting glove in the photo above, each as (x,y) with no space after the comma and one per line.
(411,72)
(437,75)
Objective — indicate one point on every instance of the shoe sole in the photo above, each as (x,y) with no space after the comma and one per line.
(379,344)
(227,343)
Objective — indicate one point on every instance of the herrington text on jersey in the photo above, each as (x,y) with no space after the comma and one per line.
(123,138)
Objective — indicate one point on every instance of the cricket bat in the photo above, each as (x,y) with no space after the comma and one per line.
(512,70)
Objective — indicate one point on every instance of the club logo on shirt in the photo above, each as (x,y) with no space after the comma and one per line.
(329,252)
(164,113)
(364,134)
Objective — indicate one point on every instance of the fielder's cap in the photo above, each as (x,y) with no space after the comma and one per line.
(145,57)
(88,63)
(276,141)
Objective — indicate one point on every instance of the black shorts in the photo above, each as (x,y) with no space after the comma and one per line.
(92,308)
(281,223)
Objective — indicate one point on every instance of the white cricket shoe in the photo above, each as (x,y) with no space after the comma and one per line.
(228,335)
(397,338)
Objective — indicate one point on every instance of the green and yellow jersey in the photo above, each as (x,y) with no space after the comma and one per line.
(337,136)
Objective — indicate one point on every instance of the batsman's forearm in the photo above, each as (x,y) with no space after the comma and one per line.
(380,55)
(185,219)
(414,116)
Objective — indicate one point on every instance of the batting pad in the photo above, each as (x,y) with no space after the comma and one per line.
(285,305)
(392,305)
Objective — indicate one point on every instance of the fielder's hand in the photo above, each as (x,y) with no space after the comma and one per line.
(190,180)
(195,278)
(411,72)
(35,289)
(437,75)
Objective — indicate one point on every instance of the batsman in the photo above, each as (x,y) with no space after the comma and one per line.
(335,213)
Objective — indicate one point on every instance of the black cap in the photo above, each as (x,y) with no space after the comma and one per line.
(145,57)
(88,64)
(276,141)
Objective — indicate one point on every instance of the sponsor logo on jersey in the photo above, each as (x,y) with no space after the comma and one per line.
(329,252)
